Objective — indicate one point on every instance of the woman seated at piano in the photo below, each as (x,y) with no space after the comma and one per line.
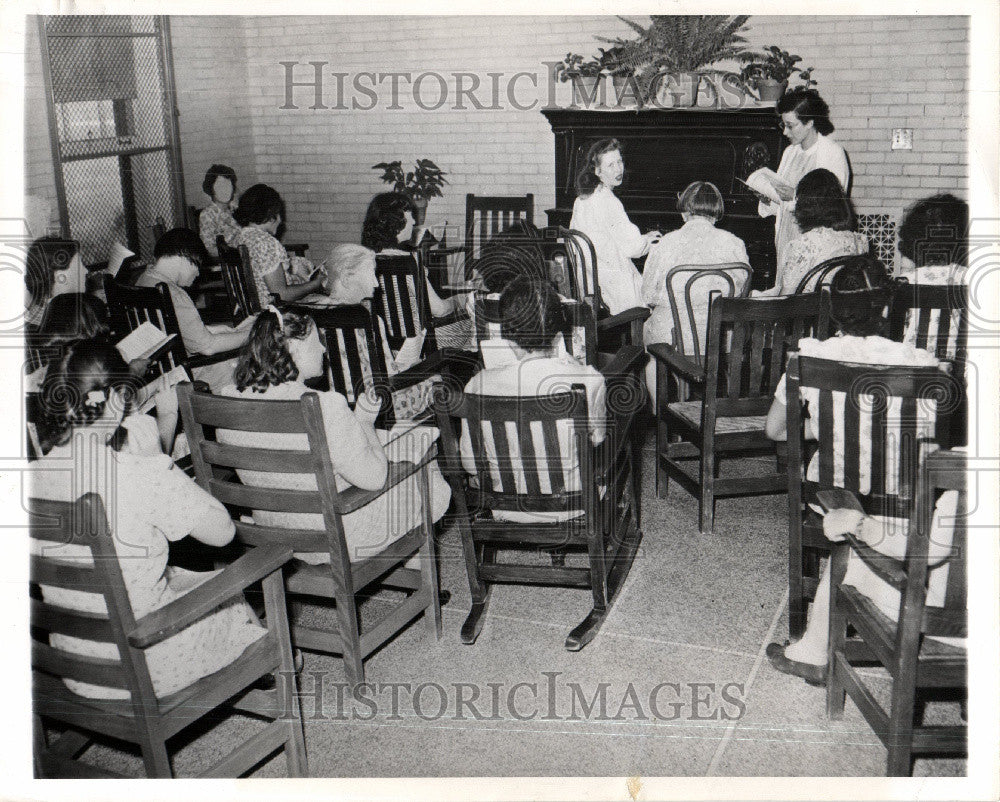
(599,214)
(828,224)
(805,119)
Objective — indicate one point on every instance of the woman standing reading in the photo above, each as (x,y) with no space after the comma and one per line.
(601,216)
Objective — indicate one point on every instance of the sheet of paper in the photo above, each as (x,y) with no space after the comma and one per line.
(409,351)
(761,182)
(143,342)
(146,398)
(119,253)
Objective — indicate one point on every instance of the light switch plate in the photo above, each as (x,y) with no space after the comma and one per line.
(902,139)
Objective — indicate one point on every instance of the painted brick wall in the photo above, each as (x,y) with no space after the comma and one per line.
(877,73)
(39,177)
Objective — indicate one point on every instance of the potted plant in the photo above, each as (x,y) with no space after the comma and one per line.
(614,62)
(768,73)
(585,74)
(419,185)
(668,55)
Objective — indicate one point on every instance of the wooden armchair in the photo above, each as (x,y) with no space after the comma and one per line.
(488,215)
(820,275)
(147,720)
(402,300)
(916,663)
(748,343)
(130,306)
(872,424)
(265,473)
(237,275)
(554,470)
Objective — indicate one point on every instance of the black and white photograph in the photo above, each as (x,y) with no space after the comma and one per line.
(561,401)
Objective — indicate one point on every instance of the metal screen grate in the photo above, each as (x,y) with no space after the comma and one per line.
(112,128)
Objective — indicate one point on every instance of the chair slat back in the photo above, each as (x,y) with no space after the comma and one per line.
(402,300)
(691,289)
(237,275)
(874,425)
(932,317)
(354,349)
(749,340)
(488,215)
(72,553)
(583,267)
(131,306)
(226,434)
(521,454)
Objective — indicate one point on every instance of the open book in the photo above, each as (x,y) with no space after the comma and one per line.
(146,397)
(143,343)
(119,253)
(765,184)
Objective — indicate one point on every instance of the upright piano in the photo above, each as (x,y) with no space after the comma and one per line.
(664,151)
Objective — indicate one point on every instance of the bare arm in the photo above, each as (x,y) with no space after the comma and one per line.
(278,285)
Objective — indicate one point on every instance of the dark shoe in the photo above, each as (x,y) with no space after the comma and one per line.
(814,675)
(444,597)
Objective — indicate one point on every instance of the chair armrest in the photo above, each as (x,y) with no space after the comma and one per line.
(200,360)
(888,569)
(678,363)
(354,498)
(627,359)
(181,613)
(433,364)
(626,318)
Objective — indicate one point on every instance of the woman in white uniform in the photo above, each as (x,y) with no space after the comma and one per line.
(601,216)
(805,118)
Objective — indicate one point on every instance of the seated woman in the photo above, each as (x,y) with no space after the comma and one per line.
(932,241)
(216,219)
(283,351)
(857,342)
(533,323)
(697,242)
(149,503)
(53,267)
(179,256)
(827,222)
(261,212)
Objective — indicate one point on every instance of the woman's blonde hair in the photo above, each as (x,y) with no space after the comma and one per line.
(348,265)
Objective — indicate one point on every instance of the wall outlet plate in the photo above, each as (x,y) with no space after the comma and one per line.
(902,139)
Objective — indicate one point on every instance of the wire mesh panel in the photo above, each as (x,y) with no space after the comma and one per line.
(108,94)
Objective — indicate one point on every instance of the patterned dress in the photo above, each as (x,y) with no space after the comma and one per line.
(810,249)
(149,503)
(215,221)
(266,256)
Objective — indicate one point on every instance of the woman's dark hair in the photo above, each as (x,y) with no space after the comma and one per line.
(820,202)
(73,316)
(853,308)
(933,231)
(46,256)
(259,204)
(264,359)
(182,242)
(77,388)
(807,105)
(702,198)
(511,253)
(217,171)
(385,218)
(586,179)
(531,313)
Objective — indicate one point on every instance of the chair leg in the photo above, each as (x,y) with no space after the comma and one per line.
(428,562)
(346,610)
(706,494)
(662,480)
(835,692)
(899,740)
(480,590)
(155,758)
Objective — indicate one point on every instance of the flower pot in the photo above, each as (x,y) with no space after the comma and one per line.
(770,91)
(708,92)
(586,91)
(419,210)
(675,90)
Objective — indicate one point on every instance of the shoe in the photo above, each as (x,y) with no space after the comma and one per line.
(812,674)
(444,597)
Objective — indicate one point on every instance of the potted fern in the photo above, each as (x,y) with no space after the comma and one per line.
(669,56)
(419,185)
(768,73)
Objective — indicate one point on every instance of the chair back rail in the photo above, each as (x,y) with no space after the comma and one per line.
(932,317)
(488,215)
(703,282)
(402,299)
(820,275)
(237,275)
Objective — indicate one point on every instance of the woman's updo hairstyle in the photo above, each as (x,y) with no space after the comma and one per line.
(807,105)
(586,179)
(531,313)
(853,308)
(77,390)
(820,202)
(264,359)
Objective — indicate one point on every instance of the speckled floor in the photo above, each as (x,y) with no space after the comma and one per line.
(676,683)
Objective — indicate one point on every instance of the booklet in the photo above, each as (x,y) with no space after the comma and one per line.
(409,352)
(146,398)
(119,253)
(144,342)
(765,183)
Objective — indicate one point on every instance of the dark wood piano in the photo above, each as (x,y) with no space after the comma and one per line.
(667,149)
